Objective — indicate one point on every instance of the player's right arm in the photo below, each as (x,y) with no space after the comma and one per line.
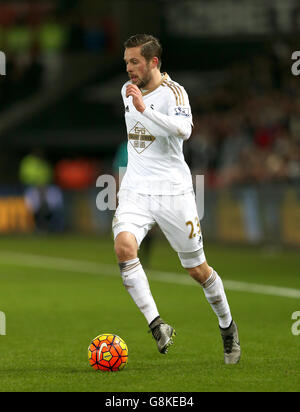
(175,126)
(178,122)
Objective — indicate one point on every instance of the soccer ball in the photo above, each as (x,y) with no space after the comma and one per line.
(108,352)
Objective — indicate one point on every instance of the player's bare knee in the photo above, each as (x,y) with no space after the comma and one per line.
(195,273)
(125,247)
(200,273)
(125,251)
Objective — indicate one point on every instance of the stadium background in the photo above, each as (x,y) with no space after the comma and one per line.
(61,126)
(61,100)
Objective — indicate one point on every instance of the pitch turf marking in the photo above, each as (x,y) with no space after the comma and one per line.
(95,268)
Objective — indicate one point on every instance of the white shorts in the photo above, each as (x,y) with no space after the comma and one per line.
(176,216)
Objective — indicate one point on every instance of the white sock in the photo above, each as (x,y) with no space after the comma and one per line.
(136,282)
(215,294)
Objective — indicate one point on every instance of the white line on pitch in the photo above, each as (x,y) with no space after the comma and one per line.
(99,268)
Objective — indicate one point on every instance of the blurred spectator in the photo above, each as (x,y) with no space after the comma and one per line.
(18,37)
(94,37)
(43,198)
(53,39)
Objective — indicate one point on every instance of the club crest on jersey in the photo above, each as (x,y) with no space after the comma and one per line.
(140,138)
(182,111)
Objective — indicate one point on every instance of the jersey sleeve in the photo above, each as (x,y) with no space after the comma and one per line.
(178,122)
(179,105)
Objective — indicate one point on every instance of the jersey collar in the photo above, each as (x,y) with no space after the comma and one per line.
(164,77)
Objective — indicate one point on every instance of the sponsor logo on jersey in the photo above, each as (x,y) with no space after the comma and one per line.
(140,138)
(182,111)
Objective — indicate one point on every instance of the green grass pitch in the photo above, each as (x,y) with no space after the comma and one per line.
(58,293)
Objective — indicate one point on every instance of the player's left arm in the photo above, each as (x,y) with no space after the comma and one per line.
(178,122)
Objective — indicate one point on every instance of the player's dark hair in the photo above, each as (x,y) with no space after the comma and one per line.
(151,46)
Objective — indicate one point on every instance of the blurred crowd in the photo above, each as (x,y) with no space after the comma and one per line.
(248,130)
(36,35)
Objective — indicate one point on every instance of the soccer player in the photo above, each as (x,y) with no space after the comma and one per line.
(157,188)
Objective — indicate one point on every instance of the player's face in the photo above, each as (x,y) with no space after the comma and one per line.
(138,69)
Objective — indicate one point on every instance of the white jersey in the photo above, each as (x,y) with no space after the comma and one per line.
(156,164)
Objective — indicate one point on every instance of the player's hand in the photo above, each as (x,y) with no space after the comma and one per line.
(137,98)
